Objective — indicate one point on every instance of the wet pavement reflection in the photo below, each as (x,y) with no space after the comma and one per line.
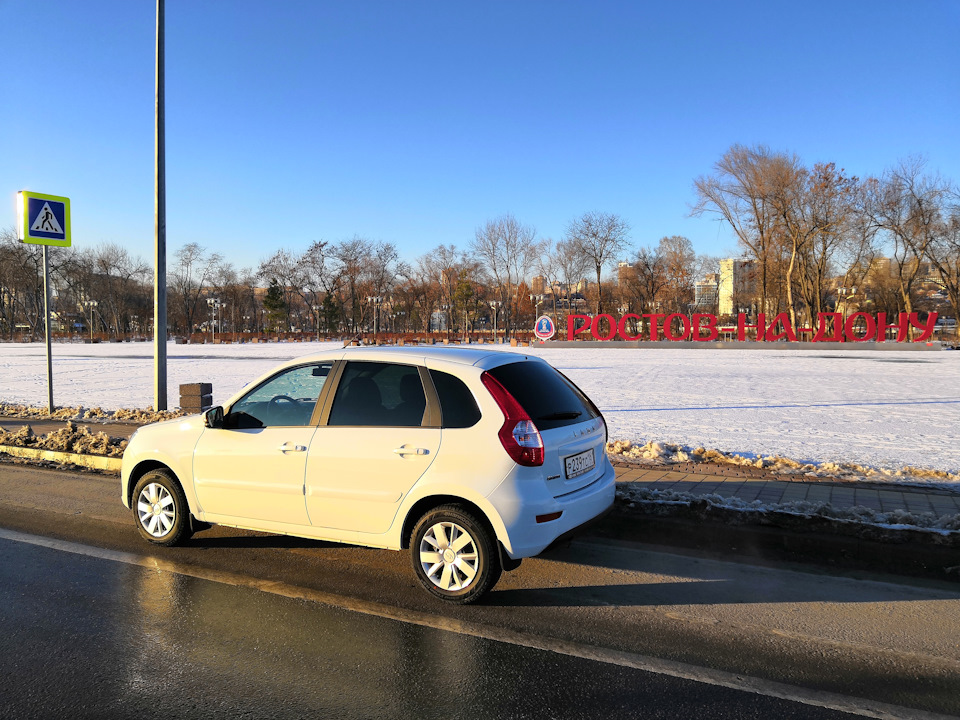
(83,637)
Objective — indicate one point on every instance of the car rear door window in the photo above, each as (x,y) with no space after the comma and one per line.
(549,398)
(374,394)
(458,407)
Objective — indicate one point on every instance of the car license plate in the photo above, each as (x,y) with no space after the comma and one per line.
(580,463)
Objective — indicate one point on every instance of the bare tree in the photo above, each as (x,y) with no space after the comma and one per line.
(194,268)
(352,256)
(572,266)
(739,191)
(907,206)
(679,261)
(602,238)
(21,284)
(117,278)
(508,250)
(837,234)
(944,251)
(649,278)
(813,208)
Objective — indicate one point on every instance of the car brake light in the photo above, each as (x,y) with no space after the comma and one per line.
(518,434)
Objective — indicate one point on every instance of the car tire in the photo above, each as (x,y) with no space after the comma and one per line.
(454,555)
(160,509)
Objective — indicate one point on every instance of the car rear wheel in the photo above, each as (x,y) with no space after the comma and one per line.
(454,555)
(160,509)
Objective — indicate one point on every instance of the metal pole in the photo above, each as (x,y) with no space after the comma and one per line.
(46,324)
(160,233)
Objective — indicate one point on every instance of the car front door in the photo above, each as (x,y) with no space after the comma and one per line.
(252,468)
(375,445)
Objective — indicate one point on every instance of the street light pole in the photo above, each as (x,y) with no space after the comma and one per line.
(91,304)
(213,303)
(160,230)
(376,300)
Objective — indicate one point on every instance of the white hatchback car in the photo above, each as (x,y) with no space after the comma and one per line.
(473,459)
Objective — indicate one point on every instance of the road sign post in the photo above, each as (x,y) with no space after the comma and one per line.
(44,220)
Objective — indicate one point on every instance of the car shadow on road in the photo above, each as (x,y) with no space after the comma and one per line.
(259,542)
(604,577)
(685,593)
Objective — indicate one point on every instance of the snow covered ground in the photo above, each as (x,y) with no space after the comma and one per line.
(886,410)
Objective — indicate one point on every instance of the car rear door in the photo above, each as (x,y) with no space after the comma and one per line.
(374,443)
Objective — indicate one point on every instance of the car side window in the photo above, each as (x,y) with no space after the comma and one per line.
(286,399)
(374,394)
(458,407)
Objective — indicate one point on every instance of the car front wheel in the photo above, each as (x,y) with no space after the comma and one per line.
(454,555)
(160,509)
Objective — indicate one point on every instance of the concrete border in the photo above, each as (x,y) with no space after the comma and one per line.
(95,462)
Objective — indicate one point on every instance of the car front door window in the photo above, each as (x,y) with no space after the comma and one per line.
(287,399)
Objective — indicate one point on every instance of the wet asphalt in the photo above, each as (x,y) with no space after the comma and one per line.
(84,637)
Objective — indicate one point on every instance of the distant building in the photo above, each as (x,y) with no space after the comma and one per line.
(624,272)
(538,284)
(706,293)
(736,285)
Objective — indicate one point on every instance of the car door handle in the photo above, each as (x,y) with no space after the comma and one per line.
(287,447)
(410,451)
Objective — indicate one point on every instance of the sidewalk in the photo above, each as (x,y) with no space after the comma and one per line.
(750,484)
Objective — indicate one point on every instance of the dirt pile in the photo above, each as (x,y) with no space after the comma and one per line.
(70,439)
(141,416)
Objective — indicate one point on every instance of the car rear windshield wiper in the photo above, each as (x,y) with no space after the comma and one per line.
(564,415)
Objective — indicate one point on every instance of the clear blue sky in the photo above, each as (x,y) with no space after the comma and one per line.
(415,122)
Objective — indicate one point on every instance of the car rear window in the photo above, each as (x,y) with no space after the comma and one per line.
(457,404)
(549,398)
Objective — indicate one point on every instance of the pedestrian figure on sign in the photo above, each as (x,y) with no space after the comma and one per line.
(47,216)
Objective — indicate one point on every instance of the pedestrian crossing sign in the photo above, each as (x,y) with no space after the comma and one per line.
(43,219)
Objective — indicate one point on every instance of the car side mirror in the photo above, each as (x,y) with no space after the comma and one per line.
(213,418)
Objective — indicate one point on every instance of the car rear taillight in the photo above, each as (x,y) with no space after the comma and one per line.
(518,434)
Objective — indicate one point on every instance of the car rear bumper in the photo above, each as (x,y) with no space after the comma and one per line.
(525,536)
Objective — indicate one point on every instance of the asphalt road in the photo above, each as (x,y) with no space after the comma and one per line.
(106,640)
(591,619)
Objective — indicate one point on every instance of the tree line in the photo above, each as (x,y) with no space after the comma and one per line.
(805,230)
(886,238)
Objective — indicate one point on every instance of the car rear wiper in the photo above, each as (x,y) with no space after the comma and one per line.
(563,415)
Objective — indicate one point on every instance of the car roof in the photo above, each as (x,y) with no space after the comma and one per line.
(462,355)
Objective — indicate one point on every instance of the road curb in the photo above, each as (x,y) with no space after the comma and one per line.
(779,537)
(95,462)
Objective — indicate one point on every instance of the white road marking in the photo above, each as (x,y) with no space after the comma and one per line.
(832,701)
